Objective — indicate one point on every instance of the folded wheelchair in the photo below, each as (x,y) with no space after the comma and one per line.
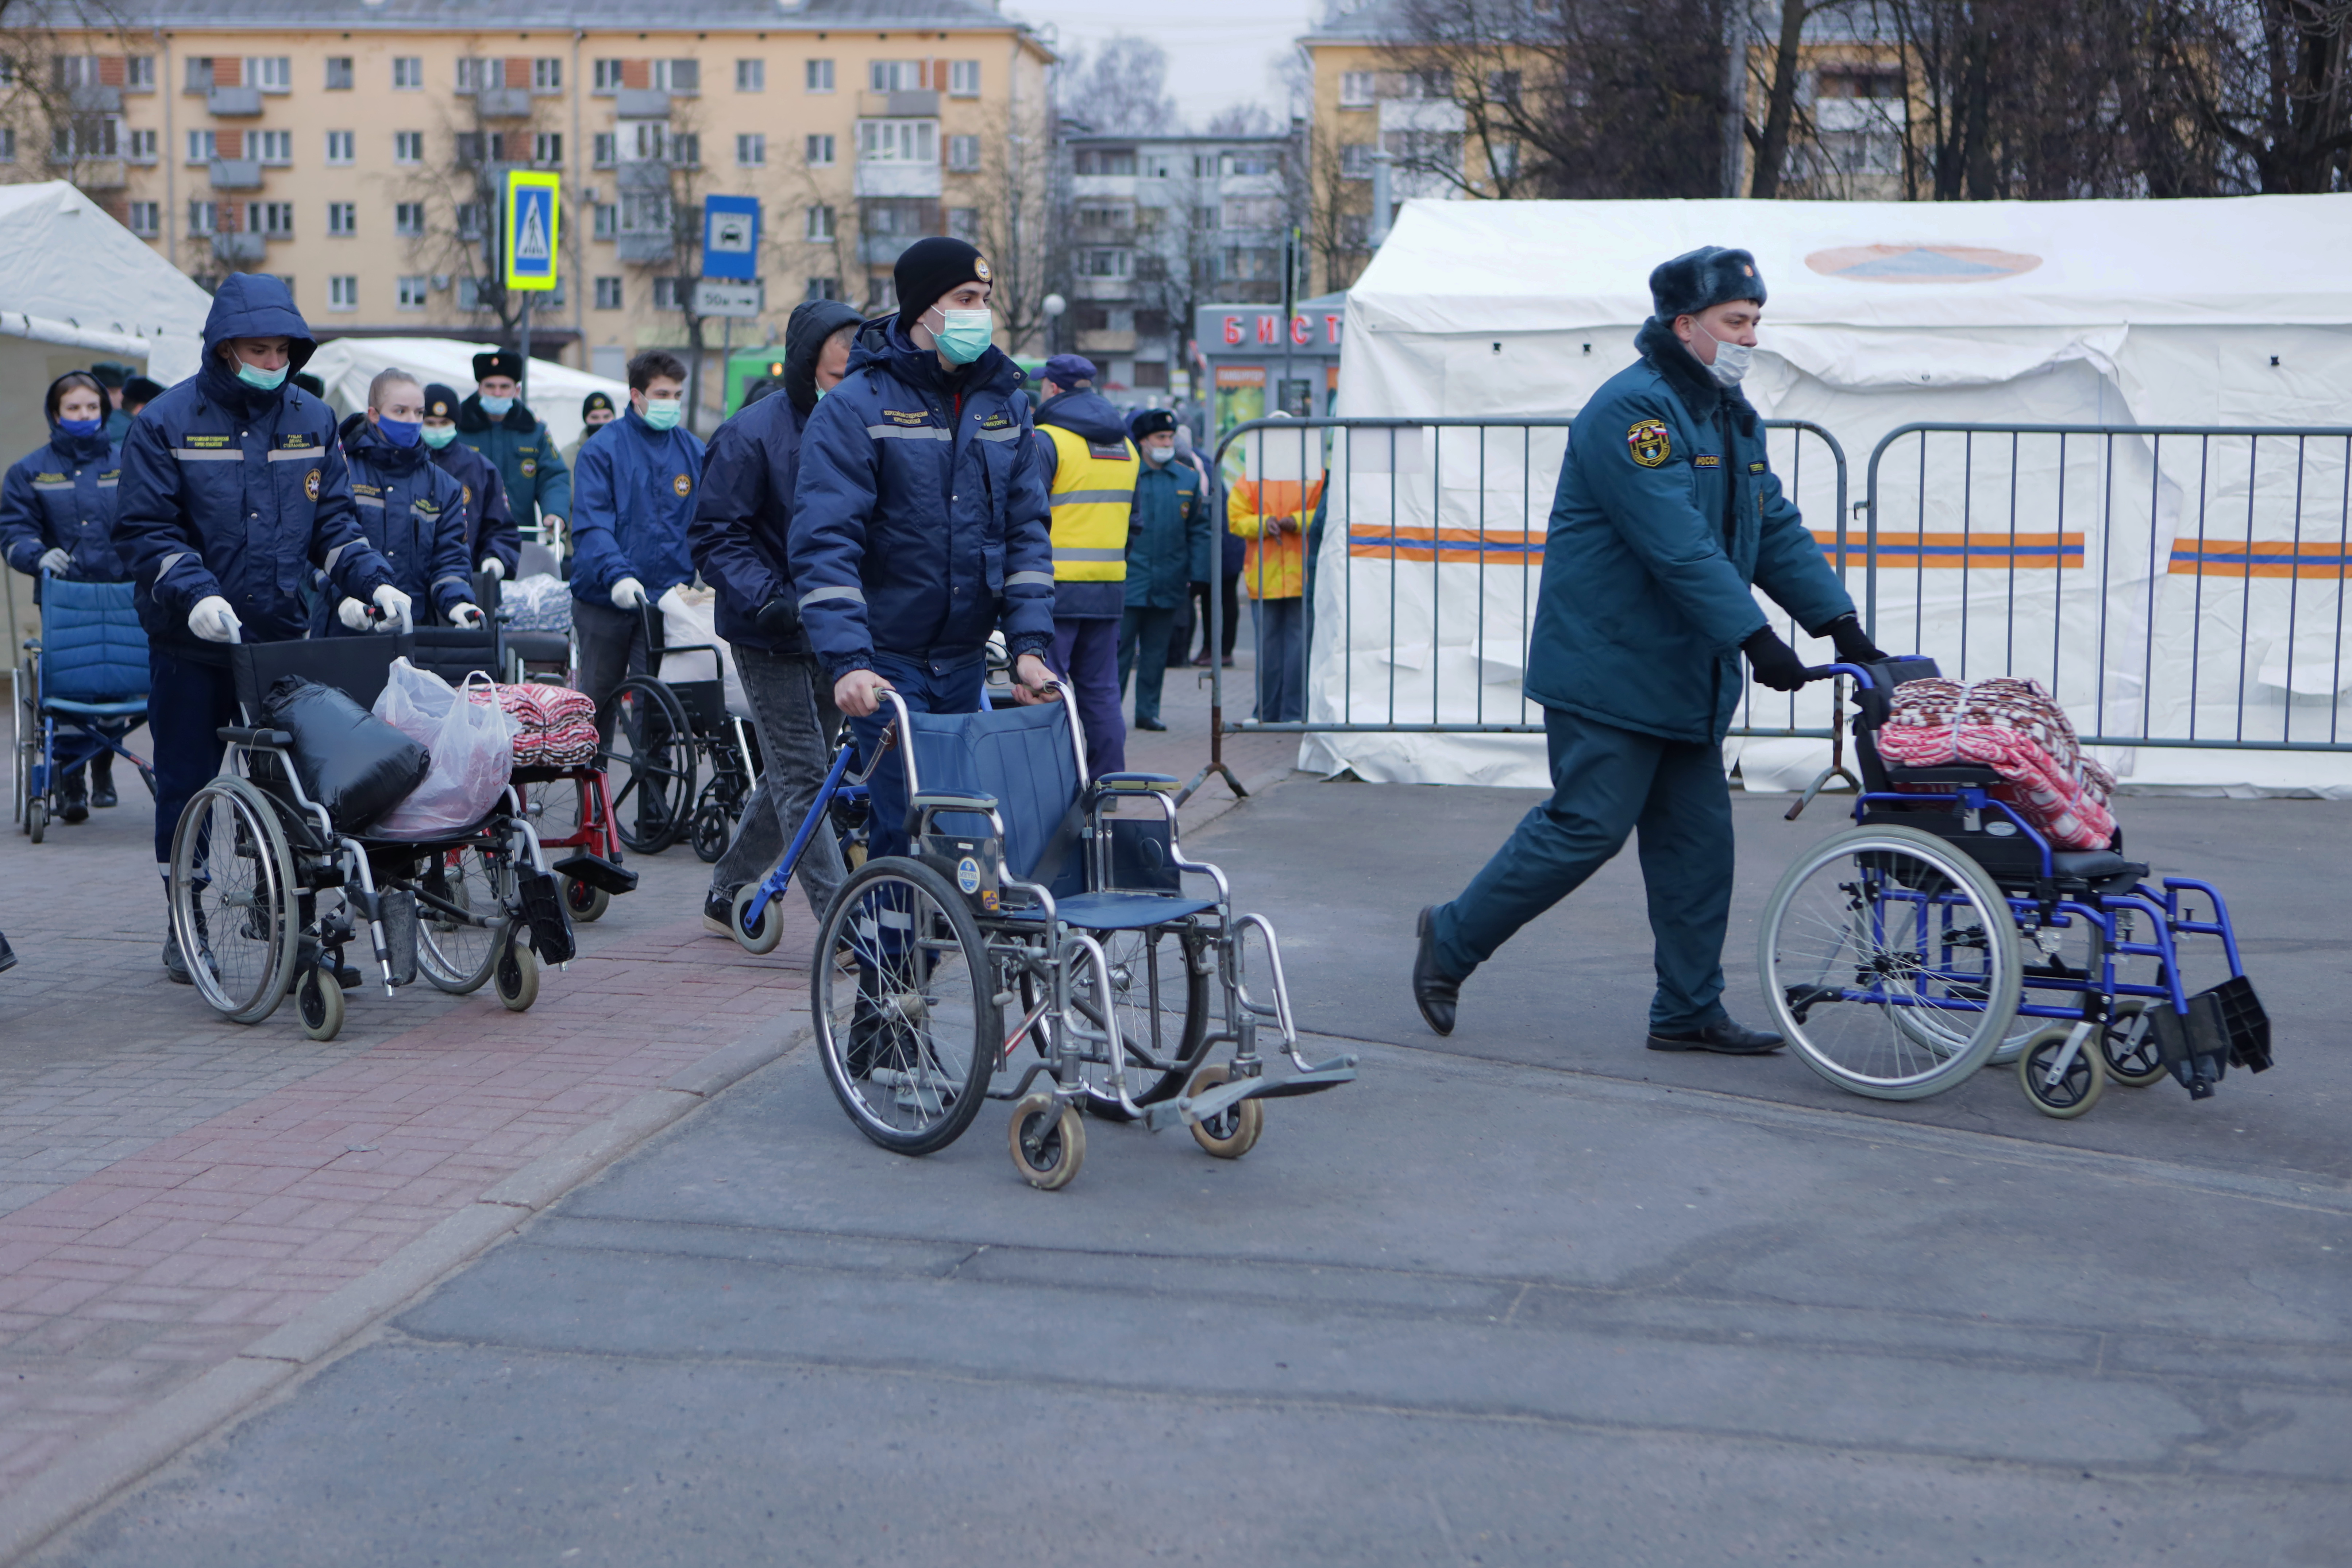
(267,890)
(81,688)
(1034,894)
(664,731)
(1943,933)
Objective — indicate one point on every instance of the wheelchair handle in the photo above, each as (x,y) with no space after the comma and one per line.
(1828,671)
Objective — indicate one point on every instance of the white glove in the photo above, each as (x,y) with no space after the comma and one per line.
(629,594)
(54,561)
(394,605)
(467,615)
(213,621)
(496,567)
(353,614)
(673,601)
(550,533)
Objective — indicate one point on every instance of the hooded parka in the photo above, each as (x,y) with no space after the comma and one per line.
(64,496)
(1667,511)
(416,517)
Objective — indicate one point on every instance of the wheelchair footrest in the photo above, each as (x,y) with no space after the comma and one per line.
(1186,1109)
(551,928)
(597,871)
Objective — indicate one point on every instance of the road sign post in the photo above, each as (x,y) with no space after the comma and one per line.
(534,211)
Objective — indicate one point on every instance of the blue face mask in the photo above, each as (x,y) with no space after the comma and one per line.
(496,407)
(80,426)
(260,380)
(964,335)
(400,432)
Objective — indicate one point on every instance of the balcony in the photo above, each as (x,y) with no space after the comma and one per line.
(641,103)
(644,249)
(92,98)
(644,174)
(921,104)
(233,101)
(897,179)
(237,249)
(503,103)
(237,173)
(101,174)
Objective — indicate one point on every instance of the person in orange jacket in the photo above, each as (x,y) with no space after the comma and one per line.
(1272,514)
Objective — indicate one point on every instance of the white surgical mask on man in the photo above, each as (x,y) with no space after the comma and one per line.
(1731,359)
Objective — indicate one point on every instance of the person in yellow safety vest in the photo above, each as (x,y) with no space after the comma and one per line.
(1094,468)
(1270,507)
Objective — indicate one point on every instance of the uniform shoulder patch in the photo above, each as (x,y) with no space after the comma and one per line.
(1756,468)
(1649,443)
(310,484)
(529,465)
(1707,460)
(683,485)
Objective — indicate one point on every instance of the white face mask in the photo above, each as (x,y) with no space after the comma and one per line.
(1158,454)
(1731,359)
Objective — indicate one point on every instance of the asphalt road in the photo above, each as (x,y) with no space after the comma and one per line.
(1528,1295)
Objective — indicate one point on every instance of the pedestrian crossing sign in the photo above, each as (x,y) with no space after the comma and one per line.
(533,217)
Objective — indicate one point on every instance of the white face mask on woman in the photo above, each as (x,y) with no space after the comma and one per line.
(1731,359)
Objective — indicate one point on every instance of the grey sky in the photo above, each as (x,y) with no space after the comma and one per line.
(1219,51)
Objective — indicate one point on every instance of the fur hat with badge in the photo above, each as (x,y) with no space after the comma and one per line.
(1702,279)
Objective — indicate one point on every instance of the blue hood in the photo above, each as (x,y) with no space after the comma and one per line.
(253,305)
(1086,413)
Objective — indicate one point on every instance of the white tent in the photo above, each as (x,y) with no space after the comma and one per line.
(348,364)
(2231,312)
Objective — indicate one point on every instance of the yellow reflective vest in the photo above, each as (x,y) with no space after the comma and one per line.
(1094,490)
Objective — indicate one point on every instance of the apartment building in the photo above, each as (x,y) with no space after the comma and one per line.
(356,147)
(1157,227)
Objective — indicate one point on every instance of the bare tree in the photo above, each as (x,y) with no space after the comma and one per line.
(459,190)
(1020,227)
(1120,88)
(2266,86)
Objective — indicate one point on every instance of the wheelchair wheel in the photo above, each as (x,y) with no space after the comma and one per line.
(2076,1090)
(462,917)
(909,1026)
(713,830)
(233,899)
(318,998)
(1049,1142)
(585,902)
(652,759)
(770,929)
(1160,997)
(36,817)
(2128,1044)
(517,977)
(1874,923)
(1232,1132)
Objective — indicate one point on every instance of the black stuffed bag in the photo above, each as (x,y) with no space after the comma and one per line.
(349,760)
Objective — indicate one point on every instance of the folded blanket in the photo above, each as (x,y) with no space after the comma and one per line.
(557,725)
(2018,731)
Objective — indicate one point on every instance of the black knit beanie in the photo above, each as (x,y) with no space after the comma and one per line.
(928,269)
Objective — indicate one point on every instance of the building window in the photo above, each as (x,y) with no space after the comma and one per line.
(343,217)
(472,220)
(608,221)
(818,75)
(604,153)
(85,139)
(411,291)
(608,75)
(343,293)
(750,75)
(819,228)
(1250,163)
(683,77)
(819,152)
(751,150)
(204,146)
(144,145)
(822,288)
(275,219)
(271,73)
(897,140)
(408,219)
(408,76)
(547,74)
(608,294)
(1105,161)
(146,219)
(1102,263)
(1356,160)
(338,73)
(685,149)
(963,79)
(474,75)
(342,147)
(470,148)
(644,140)
(203,218)
(7,144)
(546,147)
(200,73)
(1356,89)
(274,147)
(138,73)
(963,223)
(900,76)
(646,213)
(470,292)
(666,294)
(408,146)
(963,153)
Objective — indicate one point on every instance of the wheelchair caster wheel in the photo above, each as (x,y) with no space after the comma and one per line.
(770,929)
(1049,1142)
(318,998)
(37,819)
(517,977)
(2076,1091)
(1232,1132)
(2129,1045)
(585,902)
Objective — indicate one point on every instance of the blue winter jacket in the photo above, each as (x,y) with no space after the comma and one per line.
(1668,512)
(920,521)
(632,503)
(64,496)
(492,532)
(231,491)
(741,534)
(416,518)
(1167,530)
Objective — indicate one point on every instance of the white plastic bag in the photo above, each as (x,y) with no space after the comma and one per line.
(472,745)
(689,621)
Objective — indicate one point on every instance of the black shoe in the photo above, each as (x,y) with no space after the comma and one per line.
(174,965)
(718,914)
(1149,724)
(101,780)
(1432,992)
(1724,1038)
(73,805)
(7,955)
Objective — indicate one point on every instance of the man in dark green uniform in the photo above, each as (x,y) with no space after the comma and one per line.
(1667,513)
(496,423)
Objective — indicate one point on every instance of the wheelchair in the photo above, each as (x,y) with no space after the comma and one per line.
(1943,933)
(663,733)
(266,892)
(81,688)
(1033,889)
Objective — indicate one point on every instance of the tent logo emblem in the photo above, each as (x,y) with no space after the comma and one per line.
(1921,263)
(1649,443)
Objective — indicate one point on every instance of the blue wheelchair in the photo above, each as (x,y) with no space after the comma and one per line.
(81,688)
(1034,892)
(1943,932)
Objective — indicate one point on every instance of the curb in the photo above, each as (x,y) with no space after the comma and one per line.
(94,1471)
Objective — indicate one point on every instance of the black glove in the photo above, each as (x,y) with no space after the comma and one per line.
(1775,663)
(1853,647)
(778,620)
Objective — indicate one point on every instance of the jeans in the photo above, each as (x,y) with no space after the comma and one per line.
(1281,658)
(947,684)
(1232,611)
(1086,653)
(791,708)
(1143,635)
(1607,783)
(187,704)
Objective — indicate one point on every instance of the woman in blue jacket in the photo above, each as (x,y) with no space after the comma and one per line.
(56,516)
(414,513)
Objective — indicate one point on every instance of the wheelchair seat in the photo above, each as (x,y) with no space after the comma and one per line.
(131,708)
(94,656)
(1128,910)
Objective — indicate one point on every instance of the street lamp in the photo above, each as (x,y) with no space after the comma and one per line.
(1052,305)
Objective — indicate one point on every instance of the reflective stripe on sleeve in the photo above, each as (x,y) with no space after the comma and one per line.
(54,484)
(1030,579)
(174,558)
(360,500)
(1086,498)
(296,454)
(1009,433)
(209,454)
(907,432)
(819,595)
(336,554)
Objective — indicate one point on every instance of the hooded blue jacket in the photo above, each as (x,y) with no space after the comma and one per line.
(231,491)
(920,522)
(416,518)
(632,503)
(64,496)
(742,523)
(1087,414)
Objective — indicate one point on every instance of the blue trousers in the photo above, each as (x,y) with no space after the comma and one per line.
(187,704)
(955,685)
(1607,783)
(1143,639)
(1281,626)
(1086,654)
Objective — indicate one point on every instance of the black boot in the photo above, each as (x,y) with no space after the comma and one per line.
(101,780)
(73,798)
(1433,990)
